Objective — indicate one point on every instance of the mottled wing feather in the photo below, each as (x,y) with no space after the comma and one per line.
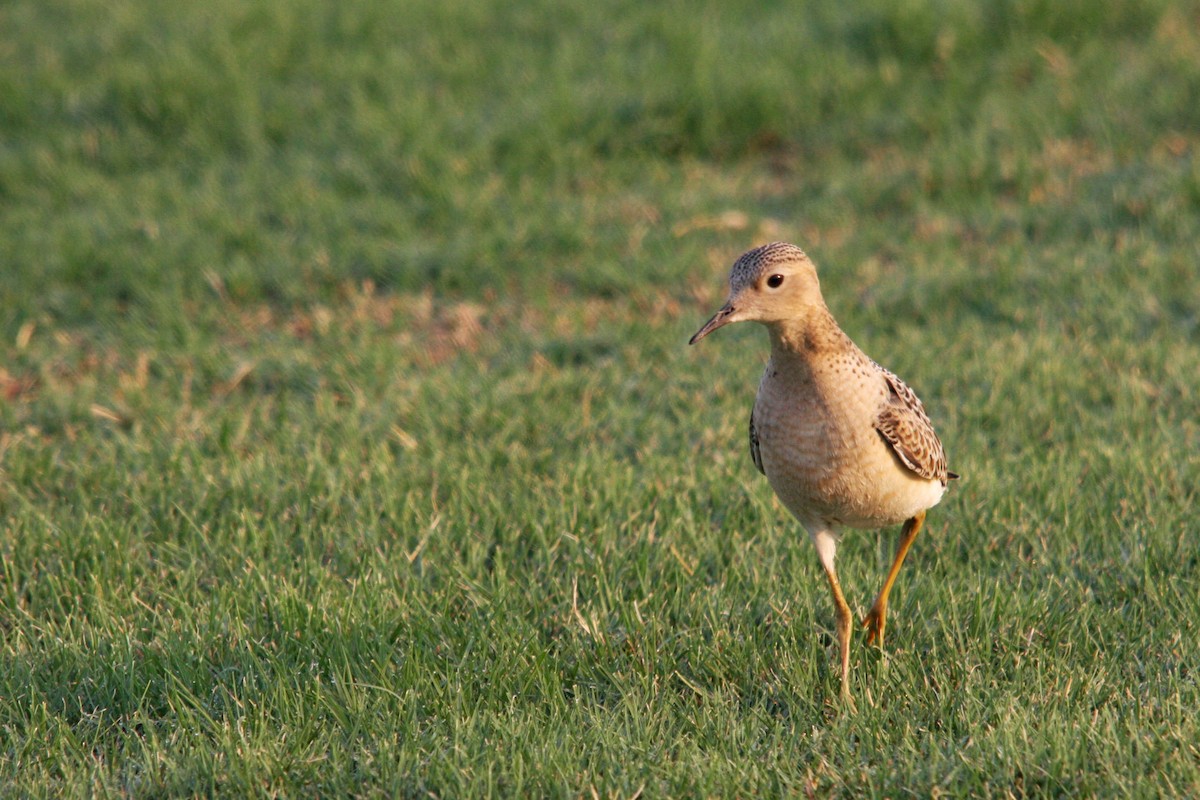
(754,451)
(903,424)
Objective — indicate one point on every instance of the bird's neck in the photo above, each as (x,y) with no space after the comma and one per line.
(813,334)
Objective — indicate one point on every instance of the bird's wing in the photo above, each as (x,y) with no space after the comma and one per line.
(903,424)
(754,451)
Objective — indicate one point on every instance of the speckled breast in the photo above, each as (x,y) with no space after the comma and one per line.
(822,454)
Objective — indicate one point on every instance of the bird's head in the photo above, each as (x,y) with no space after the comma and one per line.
(769,284)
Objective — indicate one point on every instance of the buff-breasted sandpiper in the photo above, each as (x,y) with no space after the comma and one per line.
(842,441)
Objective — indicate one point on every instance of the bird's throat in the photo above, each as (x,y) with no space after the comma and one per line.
(814,334)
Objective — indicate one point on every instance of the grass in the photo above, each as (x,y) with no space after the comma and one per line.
(350,444)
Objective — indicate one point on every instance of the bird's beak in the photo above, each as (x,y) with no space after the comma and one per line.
(722,317)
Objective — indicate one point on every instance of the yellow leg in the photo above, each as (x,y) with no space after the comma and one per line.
(876,618)
(844,620)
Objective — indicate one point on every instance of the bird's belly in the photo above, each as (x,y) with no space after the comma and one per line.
(833,476)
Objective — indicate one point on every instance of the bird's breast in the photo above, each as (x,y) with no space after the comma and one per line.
(822,453)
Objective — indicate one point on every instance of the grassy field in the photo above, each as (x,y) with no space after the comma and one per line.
(350,444)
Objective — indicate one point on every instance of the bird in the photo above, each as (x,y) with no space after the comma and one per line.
(843,442)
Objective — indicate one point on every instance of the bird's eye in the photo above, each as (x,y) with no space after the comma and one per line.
(775,281)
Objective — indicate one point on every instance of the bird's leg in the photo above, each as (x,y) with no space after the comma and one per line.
(844,624)
(844,619)
(876,618)
(825,540)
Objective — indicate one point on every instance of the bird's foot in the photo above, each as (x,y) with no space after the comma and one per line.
(874,622)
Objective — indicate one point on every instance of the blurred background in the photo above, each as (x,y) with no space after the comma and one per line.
(286,149)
